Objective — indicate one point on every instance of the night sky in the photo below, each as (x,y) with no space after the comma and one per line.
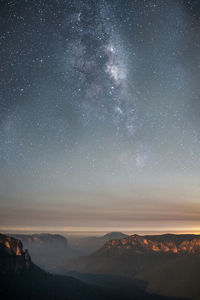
(100,115)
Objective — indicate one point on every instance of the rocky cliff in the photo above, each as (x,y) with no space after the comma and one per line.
(42,239)
(169,264)
(48,251)
(13,258)
(22,279)
(141,244)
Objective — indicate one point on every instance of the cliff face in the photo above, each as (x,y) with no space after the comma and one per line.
(48,251)
(12,246)
(22,279)
(168,264)
(43,239)
(12,256)
(141,244)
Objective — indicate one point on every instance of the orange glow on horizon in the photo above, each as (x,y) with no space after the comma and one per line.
(93,230)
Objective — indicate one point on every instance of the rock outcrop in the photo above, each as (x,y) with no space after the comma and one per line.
(12,245)
(48,251)
(141,244)
(12,256)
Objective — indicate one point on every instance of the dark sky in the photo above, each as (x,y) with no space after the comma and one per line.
(100,115)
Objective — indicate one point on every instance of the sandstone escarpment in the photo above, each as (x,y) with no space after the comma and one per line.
(12,246)
(12,256)
(141,244)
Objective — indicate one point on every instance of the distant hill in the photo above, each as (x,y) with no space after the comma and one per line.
(170,264)
(113,235)
(48,251)
(88,245)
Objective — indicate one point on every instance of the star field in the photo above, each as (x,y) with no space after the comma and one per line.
(99,106)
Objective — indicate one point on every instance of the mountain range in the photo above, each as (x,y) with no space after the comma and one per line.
(21,279)
(169,264)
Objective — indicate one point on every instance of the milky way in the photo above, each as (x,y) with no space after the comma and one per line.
(99,109)
(96,58)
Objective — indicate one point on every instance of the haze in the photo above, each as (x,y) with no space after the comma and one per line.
(99,125)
